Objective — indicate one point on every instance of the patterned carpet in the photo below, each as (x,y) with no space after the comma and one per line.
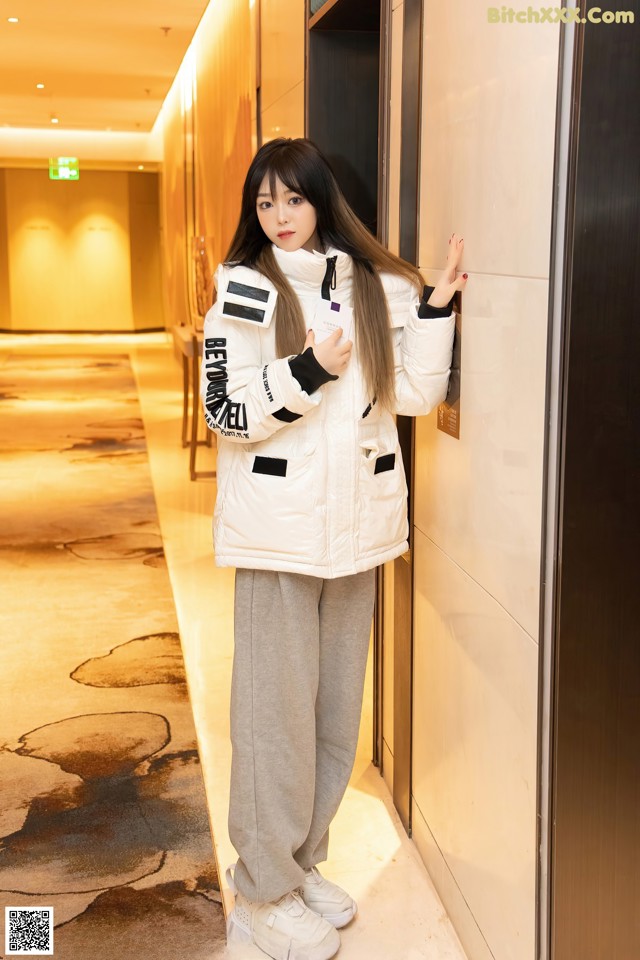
(102,807)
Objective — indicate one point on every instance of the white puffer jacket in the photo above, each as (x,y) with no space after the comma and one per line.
(310,482)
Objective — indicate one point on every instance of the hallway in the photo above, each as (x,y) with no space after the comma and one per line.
(400,915)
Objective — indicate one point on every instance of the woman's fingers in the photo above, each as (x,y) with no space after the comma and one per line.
(454,256)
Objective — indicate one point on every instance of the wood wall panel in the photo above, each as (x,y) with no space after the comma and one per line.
(225,66)
(173,210)
(5,312)
(214,94)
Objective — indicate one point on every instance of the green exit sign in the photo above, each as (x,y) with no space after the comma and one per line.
(64,168)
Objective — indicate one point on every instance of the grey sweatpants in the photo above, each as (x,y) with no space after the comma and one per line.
(299,661)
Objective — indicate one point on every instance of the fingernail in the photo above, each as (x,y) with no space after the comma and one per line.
(464,276)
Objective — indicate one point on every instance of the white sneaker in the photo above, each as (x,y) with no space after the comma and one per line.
(327,899)
(284,930)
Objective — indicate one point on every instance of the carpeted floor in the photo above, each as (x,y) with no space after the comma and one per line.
(102,808)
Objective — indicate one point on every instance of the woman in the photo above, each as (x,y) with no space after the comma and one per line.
(317,337)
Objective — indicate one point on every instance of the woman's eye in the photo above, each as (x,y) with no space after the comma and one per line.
(264,205)
(296,200)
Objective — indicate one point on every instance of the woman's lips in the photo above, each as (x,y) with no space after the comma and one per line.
(286,233)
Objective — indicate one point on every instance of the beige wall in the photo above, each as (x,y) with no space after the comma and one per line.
(144,248)
(73,263)
(487,173)
(283,28)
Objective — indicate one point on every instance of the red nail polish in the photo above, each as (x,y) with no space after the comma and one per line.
(464,276)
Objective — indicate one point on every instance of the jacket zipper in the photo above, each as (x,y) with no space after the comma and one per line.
(329,282)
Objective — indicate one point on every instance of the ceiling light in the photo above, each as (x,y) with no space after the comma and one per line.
(40,86)
(54,120)
(12,20)
(141,166)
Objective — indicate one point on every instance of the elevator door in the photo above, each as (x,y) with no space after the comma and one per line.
(595,843)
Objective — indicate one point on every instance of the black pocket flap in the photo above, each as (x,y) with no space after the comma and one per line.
(273,466)
(386,462)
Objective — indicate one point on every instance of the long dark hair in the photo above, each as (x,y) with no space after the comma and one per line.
(301,167)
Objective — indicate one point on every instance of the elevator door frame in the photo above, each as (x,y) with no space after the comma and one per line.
(590,776)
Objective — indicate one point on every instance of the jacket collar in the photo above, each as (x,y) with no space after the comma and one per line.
(310,268)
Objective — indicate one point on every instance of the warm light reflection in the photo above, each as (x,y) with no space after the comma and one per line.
(187,75)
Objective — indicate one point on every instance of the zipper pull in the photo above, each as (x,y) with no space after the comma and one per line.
(329,282)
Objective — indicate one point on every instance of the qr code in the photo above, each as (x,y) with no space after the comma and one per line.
(28,931)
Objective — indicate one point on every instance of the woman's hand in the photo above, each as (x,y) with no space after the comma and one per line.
(330,354)
(448,283)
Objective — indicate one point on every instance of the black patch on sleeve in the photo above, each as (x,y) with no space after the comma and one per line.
(244,313)
(308,372)
(426,310)
(386,462)
(287,416)
(244,290)
(272,466)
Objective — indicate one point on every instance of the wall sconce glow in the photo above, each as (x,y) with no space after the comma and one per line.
(64,168)
(141,166)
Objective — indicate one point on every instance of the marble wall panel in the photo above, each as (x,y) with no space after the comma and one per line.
(488,138)
(474,764)
(480,497)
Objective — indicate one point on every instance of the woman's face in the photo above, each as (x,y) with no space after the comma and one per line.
(287,218)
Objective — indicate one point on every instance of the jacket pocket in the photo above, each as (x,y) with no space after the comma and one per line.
(382,495)
(273,506)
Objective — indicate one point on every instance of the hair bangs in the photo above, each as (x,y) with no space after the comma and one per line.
(287,162)
(285,171)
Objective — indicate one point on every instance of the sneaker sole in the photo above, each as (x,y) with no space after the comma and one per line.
(237,932)
(280,947)
(339,920)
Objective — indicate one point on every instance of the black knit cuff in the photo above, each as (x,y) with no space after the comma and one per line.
(426,310)
(308,372)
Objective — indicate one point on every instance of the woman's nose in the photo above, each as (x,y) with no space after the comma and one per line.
(283,215)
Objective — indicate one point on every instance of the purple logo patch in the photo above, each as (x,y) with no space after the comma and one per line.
(335,306)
